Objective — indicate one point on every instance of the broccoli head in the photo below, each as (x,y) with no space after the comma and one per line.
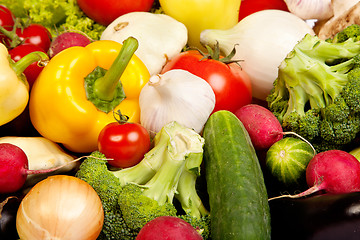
(94,171)
(317,91)
(352,31)
(134,196)
(139,209)
(351,91)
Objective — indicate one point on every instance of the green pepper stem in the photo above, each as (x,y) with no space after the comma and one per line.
(20,66)
(104,87)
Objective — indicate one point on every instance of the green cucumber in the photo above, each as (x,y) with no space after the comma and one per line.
(238,200)
(287,160)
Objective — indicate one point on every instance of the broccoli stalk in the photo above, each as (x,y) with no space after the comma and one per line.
(188,197)
(147,190)
(149,165)
(316,88)
(160,170)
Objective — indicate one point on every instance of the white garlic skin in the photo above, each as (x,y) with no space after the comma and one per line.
(176,95)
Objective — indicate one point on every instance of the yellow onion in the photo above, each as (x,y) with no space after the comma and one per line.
(60,207)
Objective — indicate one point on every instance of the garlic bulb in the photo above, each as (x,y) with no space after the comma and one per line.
(311,9)
(176,95)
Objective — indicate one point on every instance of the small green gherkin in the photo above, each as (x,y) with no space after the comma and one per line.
(287,160)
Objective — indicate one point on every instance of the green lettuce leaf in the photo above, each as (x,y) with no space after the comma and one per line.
(56,15)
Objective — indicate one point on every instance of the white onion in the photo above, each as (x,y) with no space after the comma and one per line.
(160,36)
(60,207)
(262,39)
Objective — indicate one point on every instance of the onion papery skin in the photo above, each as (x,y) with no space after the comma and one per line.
(60,207)
(262,41)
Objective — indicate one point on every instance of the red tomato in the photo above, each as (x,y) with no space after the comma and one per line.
(231,85)
(35,34)
(125,143)
(6,18)
(251,6)
(106,11)
(6,21)
(33,70)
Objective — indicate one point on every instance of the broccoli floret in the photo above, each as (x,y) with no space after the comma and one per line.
(306,125)
(309,124)
(148,189)
(351,91)
(139,209)
(340,132)
(291,122)
(202,225)
(352,31)
(336,112)
(317,91)
(94,171)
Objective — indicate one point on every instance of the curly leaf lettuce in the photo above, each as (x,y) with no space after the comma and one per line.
(56,15)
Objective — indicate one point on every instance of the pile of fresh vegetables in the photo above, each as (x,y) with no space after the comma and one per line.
(158,119)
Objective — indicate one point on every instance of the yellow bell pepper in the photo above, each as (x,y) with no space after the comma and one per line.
(14,88)
(198,15)
(62,102)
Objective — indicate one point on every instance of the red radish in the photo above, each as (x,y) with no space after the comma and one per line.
(332,171)
(14,168)
(168,228)
(261,124)
(66,40)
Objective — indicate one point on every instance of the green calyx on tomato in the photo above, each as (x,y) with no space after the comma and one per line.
(214,53)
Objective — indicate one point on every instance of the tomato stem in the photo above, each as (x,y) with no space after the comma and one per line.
(119,117)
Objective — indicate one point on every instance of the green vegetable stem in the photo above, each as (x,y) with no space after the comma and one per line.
(317,92)
(133,196)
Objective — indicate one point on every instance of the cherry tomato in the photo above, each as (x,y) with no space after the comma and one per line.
(106,11)
(33,70)
(251,6)
(6,18)
(126,143)
(231,85)
(35,34)
(6,21)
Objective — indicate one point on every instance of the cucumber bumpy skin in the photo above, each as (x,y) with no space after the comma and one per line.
(237,194)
